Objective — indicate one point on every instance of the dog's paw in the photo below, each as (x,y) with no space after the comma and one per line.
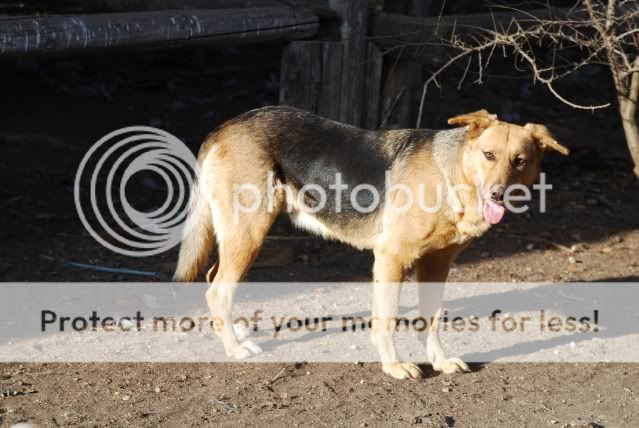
(244,350)
(451,365)
(239,352)
(402,370)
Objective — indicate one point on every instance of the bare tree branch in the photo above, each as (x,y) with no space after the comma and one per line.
(590,33)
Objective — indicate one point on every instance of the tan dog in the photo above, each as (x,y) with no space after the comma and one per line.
(280,159)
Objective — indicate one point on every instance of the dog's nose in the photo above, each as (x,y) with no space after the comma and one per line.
(497,192)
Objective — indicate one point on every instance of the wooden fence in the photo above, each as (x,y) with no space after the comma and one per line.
(333,63)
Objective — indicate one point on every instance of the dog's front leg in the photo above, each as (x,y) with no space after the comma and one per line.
(432,272)
(388,274)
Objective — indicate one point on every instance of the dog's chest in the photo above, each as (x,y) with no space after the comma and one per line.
(468,228)
(460,229)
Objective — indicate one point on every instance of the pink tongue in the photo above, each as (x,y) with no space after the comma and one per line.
(493,213)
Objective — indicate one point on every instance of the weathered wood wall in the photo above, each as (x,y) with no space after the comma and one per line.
(336,79)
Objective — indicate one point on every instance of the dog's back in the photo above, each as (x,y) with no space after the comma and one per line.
(309,150)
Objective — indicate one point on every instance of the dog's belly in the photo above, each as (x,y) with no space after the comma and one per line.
(360,233)
(312,224)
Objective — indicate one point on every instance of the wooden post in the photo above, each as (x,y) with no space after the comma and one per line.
(372,90)
(340,80)
(402,79)
(331,85)
(353,16)
(311,77)
(301,75)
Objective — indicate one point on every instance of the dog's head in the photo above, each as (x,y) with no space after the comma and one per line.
(500,157)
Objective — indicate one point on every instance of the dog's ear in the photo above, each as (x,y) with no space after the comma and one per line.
(476,121)
(544,138)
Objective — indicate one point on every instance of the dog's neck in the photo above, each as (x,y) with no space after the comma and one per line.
(447,149)
(448,153)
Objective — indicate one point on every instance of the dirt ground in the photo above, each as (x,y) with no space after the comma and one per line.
(52,110)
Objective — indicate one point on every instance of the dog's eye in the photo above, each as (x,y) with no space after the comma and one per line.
(489,155)
(519,162)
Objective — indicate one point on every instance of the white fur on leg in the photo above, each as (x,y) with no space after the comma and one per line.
(402,370)
(436,356)
(385,306)
(451,365)
(430,303)
(244,350)
(241,331)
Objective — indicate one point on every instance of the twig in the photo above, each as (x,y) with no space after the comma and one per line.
(613,44)
(226,407)
(103,268)
(10,201)
(432,78)
(543,240)
(388,114)
(278,376)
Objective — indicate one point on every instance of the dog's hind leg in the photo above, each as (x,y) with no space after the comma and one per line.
(240,234)
(235,177)
(388,274)
(432,271)
(238,246)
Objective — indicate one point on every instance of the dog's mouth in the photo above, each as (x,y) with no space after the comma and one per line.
(493,211)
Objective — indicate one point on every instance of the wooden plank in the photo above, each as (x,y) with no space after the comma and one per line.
(55,33)
(311,77)
(331,85)
(145,5)
(373,89)
(320,7)
(300,75)
(353,16)
(403,79)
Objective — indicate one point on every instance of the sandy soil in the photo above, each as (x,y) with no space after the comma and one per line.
(57,108)
(319,395)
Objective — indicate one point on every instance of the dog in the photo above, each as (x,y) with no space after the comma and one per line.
(293,156)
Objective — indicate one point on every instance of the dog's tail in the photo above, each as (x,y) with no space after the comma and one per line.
(197,239)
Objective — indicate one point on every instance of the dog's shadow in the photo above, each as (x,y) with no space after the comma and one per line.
(532,299)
